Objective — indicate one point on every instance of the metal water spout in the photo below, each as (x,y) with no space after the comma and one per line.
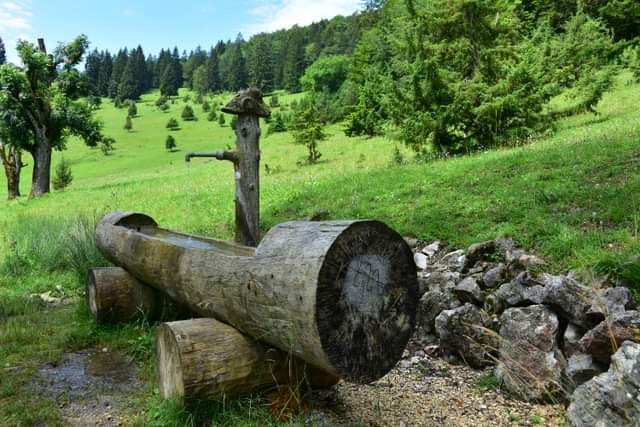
(249,107)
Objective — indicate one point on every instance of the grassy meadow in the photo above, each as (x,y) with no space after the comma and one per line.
(571,195)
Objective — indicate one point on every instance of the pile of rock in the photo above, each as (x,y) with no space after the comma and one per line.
(550,337)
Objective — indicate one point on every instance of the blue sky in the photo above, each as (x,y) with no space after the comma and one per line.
(156,24)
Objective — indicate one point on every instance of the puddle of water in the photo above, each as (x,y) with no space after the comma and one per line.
(111,366)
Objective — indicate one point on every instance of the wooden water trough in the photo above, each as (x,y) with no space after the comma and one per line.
(338,295)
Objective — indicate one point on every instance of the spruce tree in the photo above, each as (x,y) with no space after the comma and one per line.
(187,113)
(3,52)
(132,110)
(169,81)
(200,81)
(104,76)
(128,124)
(170,143)
(221,120)
(213,71)
(119,64)
(92,67)
(260,63)
(238,71)
(63,176)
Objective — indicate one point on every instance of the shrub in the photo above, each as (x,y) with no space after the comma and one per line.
(221,120)
(172,124)
(106,145)
(274,102)
(234,122)
(187,113)
(161,101)
(170,143)
(163,107)
(63,176)
(128,125)
(211,116)
(206,107)
(94,101)
(133,109)
(277,124)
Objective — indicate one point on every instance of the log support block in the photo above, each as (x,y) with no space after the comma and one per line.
(113,296)
(204,358)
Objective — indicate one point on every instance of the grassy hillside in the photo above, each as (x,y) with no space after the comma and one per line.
(573,196)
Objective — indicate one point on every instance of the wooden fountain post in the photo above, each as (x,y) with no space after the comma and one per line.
(249,107)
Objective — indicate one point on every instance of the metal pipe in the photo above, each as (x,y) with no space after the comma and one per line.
(217,154)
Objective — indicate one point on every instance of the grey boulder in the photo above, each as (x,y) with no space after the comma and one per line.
(531,365)
(612,398)
(601,341)
(466,332)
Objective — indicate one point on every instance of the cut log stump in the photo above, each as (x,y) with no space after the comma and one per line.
(204,358)
(341,295)
(113,296)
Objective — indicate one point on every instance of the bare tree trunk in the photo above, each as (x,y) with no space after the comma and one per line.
(12,162)
(247,174)
(41,178)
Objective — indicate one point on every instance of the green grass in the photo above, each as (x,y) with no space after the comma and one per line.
(573,196)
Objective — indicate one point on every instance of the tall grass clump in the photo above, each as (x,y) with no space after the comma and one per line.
(42,244)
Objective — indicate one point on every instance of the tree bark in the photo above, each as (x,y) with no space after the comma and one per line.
(341,295)
(113,296)
(204,358)
(12,162)
(247,175)
(41,153)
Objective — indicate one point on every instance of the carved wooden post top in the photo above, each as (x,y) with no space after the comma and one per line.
(248,101)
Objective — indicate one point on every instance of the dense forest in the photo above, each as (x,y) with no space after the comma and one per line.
(444,77)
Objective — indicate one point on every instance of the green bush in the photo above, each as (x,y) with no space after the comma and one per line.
(172,124)
(133,109)
(170,143)
(63,176)
(206,107)
(188,114)
(128,124)
(211,116)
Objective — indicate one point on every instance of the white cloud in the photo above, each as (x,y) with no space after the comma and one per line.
(15,24)
(273,15)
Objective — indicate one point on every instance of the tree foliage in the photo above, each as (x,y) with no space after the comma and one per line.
(43,95)
(308,130)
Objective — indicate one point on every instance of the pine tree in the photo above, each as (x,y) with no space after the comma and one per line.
(3,52)
(211,116)
(294,60)
(221,120)
(187,113)
(133,109)
(260,63)
(172,124)
(169,81)
(119,64)
(200,80)
(213,71)
(128,124)
(238,71)
(92,66)
(170,143)
(63,176)
(104,76)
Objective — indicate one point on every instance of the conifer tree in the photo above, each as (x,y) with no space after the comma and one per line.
(119,64)
(213,71)
(170,143)
(3,52)
(238,71)
(128,124)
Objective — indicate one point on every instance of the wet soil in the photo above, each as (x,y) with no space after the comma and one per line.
(91,387)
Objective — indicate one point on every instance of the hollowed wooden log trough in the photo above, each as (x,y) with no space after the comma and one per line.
(340,295)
